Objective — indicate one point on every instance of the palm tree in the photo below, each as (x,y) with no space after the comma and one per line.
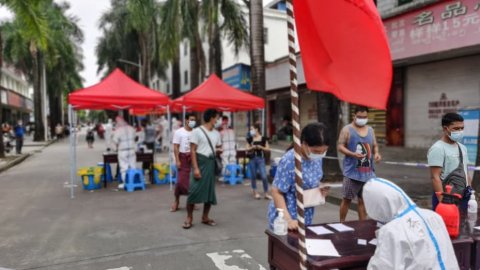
(30,31)
(65,59)
(257,48)
(233,28)
(130,33)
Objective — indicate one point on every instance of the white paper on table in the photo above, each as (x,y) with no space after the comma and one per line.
(362,242)
(331,185)
(320,230)
(321,247)
(477,228)
(373,242)
(340,227)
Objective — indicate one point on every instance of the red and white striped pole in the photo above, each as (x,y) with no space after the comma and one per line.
(302,251)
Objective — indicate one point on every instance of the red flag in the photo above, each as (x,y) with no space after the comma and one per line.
(345,50)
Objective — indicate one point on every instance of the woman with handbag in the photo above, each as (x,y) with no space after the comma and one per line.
(315,142)
(257,145)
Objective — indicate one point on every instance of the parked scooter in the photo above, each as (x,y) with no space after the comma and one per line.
(7,142)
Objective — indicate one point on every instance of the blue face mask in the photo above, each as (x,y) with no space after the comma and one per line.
(456,136)
(192,124)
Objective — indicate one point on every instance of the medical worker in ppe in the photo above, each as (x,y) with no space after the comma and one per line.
(108,134)
(124,139)
(412,238)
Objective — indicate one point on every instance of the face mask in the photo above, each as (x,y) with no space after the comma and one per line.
(313,156)
(456,136)
(192,124)
(361,121)
(218,123)
(253,133)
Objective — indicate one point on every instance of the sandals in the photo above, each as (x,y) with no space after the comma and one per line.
(187,225)
(174,207)
(209,222)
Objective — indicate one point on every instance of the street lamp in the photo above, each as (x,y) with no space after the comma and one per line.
(138,65)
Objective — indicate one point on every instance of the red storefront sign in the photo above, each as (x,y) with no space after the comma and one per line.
(444,26)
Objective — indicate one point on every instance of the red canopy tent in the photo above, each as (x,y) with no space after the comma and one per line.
(117,91)
(215,93)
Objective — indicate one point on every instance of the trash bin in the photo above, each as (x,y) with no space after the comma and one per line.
(91,177)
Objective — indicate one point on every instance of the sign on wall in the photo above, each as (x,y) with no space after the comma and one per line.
(444,26)
(437,108)
(237,76)
(470,137)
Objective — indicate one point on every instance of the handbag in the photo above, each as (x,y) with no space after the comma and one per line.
(218,160)
(313,197)
(457,178)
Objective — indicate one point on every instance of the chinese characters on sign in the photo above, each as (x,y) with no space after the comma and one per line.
(440,107)
(440,27)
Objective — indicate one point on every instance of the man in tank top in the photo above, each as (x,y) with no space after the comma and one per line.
(358,143)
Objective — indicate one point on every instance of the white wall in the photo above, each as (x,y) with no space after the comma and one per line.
(459,79)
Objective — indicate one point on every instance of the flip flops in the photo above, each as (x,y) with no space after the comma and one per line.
(209,222)
(187,225)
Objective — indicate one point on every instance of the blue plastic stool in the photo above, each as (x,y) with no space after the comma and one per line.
(233,174)
(134,179)
(109,172)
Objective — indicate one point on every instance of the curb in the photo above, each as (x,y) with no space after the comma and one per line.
(14,162)
(23,157)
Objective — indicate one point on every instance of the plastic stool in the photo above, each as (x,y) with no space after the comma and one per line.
(233,174)
(134,179)
(109,171)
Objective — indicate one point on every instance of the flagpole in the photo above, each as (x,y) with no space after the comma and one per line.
(296,137)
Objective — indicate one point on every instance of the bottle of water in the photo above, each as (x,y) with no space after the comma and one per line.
(472,204)
(280,224)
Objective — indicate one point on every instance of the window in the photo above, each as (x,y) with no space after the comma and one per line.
(168,88)
(185,77)
(265,35)
(403,2)
(185,48)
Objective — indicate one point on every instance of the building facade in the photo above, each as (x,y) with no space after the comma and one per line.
(16,102)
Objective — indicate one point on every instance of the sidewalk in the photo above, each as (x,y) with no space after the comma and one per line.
(29,148)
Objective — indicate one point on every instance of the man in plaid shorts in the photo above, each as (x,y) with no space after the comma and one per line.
(357,142)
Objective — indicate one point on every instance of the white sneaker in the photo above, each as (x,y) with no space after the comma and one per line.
(121,186)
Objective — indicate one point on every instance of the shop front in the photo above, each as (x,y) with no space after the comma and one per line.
(15,107)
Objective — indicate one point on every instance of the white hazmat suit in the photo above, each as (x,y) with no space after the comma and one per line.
(412,238)
(124,138)
(108,134)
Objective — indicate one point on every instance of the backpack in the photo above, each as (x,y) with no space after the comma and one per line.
(457,178)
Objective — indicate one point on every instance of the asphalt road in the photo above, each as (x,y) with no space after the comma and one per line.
(42,228)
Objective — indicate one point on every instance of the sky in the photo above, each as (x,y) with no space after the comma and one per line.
(88,11)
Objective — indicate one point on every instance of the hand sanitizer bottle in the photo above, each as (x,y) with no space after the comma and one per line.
(472,204)
(280,224)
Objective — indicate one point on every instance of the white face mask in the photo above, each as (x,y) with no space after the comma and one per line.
(192,124)
(218,123)
(361,121)
(253,133)
(313,156)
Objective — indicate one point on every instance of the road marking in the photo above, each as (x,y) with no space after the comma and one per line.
(1,268)
(121,268)
(238,256)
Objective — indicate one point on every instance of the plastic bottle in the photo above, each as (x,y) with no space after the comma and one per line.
(448,210)
(280,224)
(472,204)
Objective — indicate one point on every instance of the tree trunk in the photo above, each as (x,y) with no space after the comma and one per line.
(201,57)
(2,147)
(144,58)
(328,111)
(194,66)
(257,50)
(37,96)
(217,43)
(176,79)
